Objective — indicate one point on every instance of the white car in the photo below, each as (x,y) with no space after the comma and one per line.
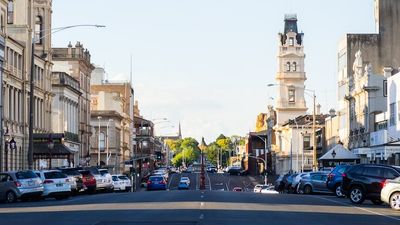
(103,180)
(126,180)
(119,184)
(269,190)
(390,193)
(55,184)
(185,179)
(259,187)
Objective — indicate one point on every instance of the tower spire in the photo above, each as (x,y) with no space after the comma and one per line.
(180,131)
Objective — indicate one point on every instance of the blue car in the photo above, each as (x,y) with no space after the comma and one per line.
(156,183)
(183,185)
(335,178)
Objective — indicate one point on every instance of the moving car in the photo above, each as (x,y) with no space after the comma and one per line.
(183,185)
(391,193)
(28,184)
(89,181)
(8,189)
(119,185)
(365,181)
(185,179)
(314,182)
(259,187)
(156,183)
(334,181)
(55,184)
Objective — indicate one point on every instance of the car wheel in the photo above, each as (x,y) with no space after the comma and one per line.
(357,195)
(394,201)
(307,190)
(11,197)
(338,191)
(377,202)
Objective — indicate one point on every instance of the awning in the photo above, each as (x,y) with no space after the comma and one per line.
(341,154)
(41,150)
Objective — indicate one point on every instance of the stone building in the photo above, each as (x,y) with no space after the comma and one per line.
(112,106)
(365,61)
(19,19)
(75,61)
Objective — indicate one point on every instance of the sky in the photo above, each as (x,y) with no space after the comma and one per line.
(207,63)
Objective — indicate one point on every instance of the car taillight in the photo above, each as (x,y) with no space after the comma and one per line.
(384,182)
(17,183)
(148,182)
(48,181)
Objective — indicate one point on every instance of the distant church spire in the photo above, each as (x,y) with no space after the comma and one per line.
(180,131)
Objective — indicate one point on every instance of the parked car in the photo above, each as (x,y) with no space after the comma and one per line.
(268,190)
(390,193)
(259,187)
(143,181)
(185,179)
(103,179)
(8,189)
(314,182)
(334,181)
(296,181)
(156,183)
(75,179)
(127,182)
(183,185)
(55,184)
(287,181)
(211,169)
(278,184)
(236,171)
(28,184)
(89,181)
(365,181)
(237,189)
(119,185)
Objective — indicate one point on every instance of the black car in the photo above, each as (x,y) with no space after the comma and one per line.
(365,181)
(237,171)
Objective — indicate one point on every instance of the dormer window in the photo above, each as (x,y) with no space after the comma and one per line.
(291,41)
(294,66)
(288,66)
(10,12)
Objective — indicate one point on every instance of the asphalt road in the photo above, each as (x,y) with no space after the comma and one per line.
(197,207)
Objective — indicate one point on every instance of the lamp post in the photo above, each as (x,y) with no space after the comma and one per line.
(98,151)
(108,154)
(32,82)
(50,146)
(202,147)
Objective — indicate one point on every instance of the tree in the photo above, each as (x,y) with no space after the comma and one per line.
(185,150)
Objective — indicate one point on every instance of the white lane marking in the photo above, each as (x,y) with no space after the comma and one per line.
(169,183)
(366,210)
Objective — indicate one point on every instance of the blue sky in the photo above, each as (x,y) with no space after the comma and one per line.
(207,63)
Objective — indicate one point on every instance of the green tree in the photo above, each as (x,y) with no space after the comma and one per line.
(185,150)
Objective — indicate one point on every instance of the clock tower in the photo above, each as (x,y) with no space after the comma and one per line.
(290,77)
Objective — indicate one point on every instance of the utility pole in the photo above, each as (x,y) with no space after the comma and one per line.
(315,163)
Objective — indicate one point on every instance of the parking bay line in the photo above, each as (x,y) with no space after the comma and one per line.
(367,210)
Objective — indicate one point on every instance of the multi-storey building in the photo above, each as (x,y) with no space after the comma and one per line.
(112,120)
(19,19)
(75,61)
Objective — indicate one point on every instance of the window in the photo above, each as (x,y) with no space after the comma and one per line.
(306,142)
(291,41)
(10,12)
(392,114)
(288,66)
(371,171)
(102,141)
(292,94)
(385,88)
(390,173)
(38,30)
(294,66)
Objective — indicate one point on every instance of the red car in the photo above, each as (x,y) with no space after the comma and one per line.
(89,182)
(237,189)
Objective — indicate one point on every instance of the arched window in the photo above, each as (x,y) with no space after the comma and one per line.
(294,66)
(288,66)
(102,141)
(10,12)
(38,30)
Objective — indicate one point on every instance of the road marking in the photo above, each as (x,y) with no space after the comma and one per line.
(366,210)
(169,183)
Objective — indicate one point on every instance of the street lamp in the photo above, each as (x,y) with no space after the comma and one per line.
(108,155)
(98,151)
(32,82)
(333,154)
(315,163)
(202,147)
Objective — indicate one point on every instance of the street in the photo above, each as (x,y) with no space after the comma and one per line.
(215,206)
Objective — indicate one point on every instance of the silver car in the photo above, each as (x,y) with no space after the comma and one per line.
(28,184)
(390,193)
(8,189)
(314,182)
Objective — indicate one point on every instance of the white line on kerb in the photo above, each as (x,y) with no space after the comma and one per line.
(367,210)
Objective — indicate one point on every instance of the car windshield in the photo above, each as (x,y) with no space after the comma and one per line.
(123,177)
(54,175)
(103,172)
(25,175)
(70,172)
(114,178)
(156,178)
